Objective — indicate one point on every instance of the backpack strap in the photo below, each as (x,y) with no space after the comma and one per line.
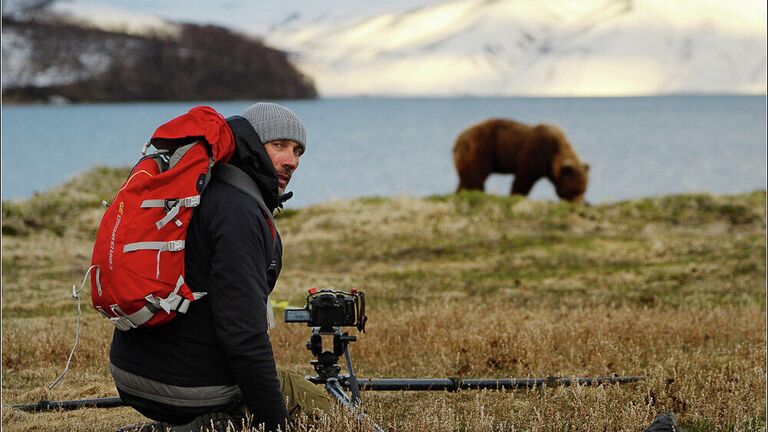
(238,178)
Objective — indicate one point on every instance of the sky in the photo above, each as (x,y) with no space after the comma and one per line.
(253,16)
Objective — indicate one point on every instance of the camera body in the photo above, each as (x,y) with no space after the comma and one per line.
(329,309)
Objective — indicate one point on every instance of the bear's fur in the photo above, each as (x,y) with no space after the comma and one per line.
(529,152)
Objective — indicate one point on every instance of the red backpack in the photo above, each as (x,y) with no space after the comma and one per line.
(137,276)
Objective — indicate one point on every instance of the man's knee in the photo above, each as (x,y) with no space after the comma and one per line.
(302,395)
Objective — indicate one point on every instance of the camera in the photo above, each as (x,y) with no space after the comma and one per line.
(328,309)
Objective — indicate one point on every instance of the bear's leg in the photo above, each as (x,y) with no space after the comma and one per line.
(522,185)
(472,181)
(472,173)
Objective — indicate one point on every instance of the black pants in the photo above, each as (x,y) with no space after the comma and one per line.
(175,415)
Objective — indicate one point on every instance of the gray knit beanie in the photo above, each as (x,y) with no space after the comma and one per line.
(275,122)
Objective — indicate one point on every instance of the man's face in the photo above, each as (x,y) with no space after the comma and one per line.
(285,155)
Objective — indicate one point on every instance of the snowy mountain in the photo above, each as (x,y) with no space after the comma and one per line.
(477,47)
(546,47)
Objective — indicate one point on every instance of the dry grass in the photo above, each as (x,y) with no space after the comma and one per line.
(672,288)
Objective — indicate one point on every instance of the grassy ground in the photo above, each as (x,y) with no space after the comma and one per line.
(467,285)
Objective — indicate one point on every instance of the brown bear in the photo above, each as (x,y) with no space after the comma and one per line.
(529,152)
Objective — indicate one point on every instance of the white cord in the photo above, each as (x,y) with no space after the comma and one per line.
(76,295)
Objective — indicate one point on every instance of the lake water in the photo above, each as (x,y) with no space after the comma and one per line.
(637,147)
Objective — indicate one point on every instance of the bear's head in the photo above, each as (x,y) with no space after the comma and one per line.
(571,180)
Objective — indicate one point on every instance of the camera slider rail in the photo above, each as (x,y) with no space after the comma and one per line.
(457,384)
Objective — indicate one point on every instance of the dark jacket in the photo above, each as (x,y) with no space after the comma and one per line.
(222,340)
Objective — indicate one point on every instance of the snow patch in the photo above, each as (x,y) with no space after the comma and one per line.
(114,19)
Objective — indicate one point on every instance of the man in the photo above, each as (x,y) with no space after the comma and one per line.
(214,364)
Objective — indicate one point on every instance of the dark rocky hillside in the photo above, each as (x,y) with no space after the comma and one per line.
(79,63)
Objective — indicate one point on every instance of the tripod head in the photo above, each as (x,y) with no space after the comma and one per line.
(326,362)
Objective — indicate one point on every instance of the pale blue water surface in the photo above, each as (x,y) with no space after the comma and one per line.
(637,147)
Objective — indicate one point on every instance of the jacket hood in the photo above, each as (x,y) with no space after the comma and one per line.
(251,157)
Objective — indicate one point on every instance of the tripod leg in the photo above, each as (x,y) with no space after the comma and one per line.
(353,386)
(334,389)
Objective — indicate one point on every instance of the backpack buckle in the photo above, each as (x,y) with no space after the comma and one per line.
(175,245)
(192,201)
(170,204)
(122,324)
